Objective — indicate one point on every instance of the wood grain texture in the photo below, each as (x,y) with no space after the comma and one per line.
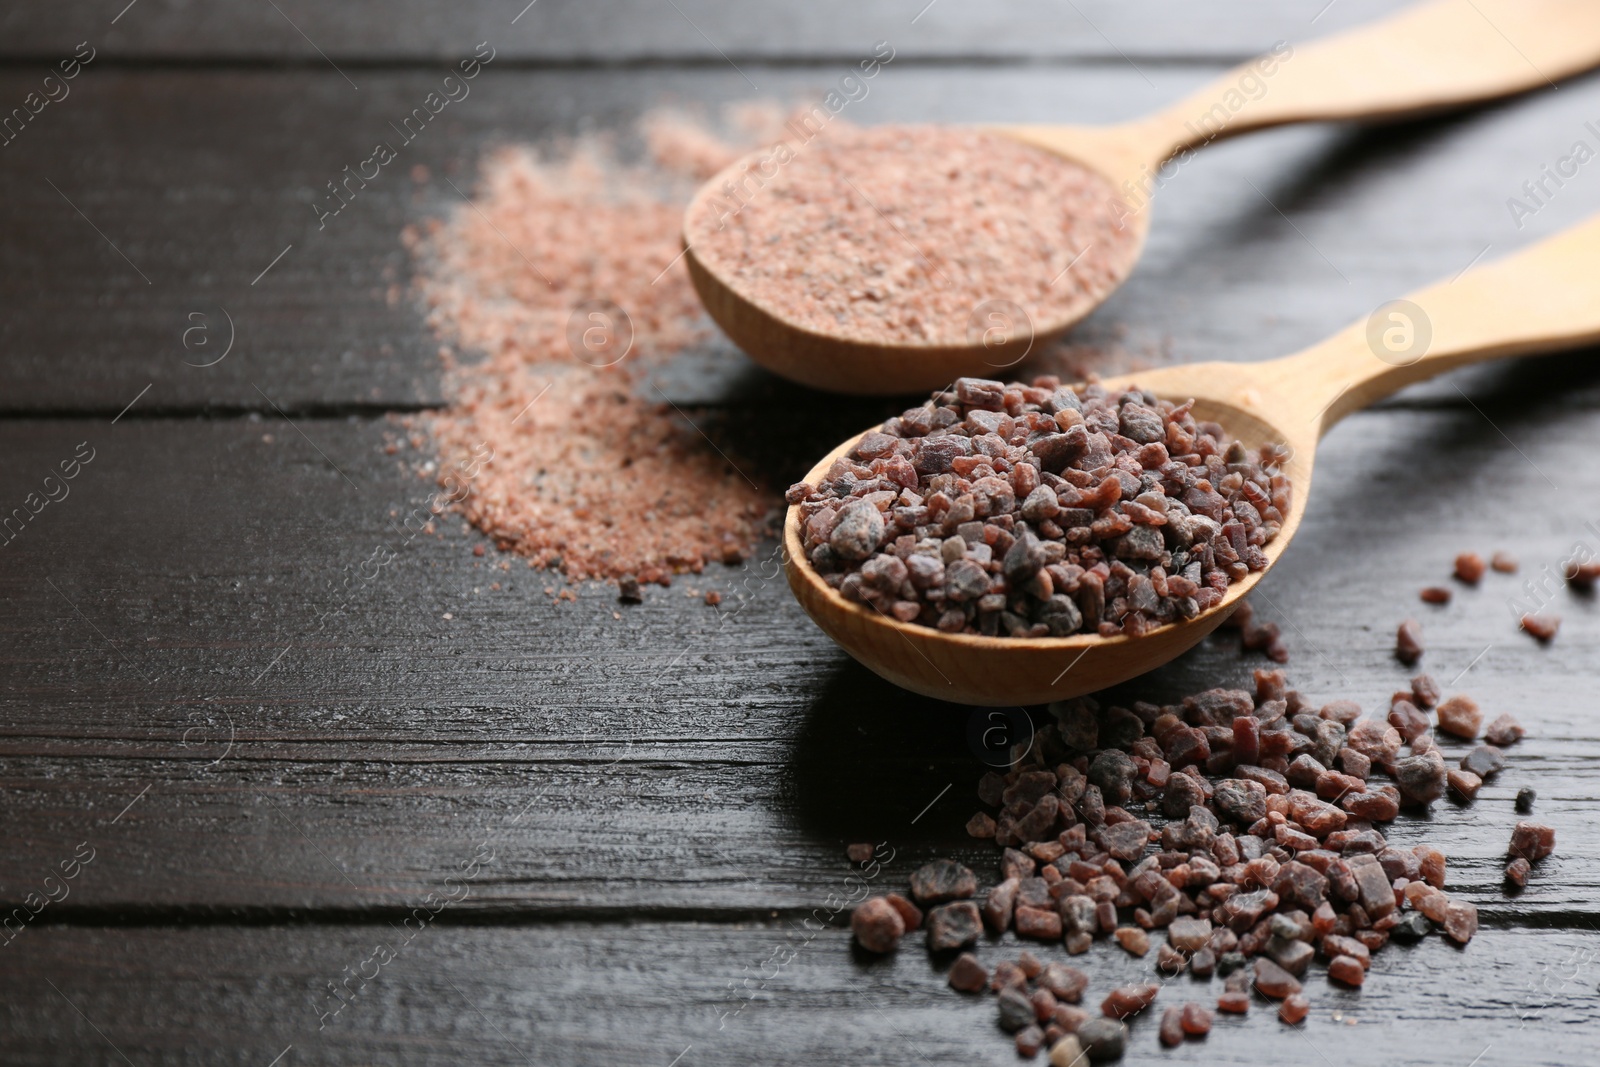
(1258,247)
(668,792)
(387,740)
(624,31)
(716,994)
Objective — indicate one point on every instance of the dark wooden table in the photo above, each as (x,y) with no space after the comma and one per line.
(269,788)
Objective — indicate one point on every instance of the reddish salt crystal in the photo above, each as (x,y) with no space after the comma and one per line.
(1031,965)
(1105,914)
(1273,981)
(1460,716)
(1379,805)
(1294,1009)
(1290,838)
(1399,863)
(1517,872)
(1463,784)
(1015,864)
(1029,1040)
(1504,562)
(1047,852)
(1299,883)
(1102,889)
(1316,816)
(1424,691)
(1255,939)
(1007,975)
(1196,1020)
(1408,719)
(1246,738)
(1376,740)
(1292,956)
(910,914)
(1435,594)
(1345,711)
(1260,871)
(1171,1032)
(1434,903)
(877,925)
(1503,731)
(1188,935)
(1063,982)
(1355,764)
(967,975)
(1532,841)
(1274,782)
(1083,872)
(1582,574)
(1542,626)
(1431,863)
(1323,918)
(1078,942)
(1077,913)
(942,880)
(1460,921)
(1346,970)
(1133,939)
(1159,773)
(1069,1018)
(1304,770)
(1373,939)
(1421,778)
(1127,1000)
(998,905)
(1044,1005)
(1408,642)
(1234,1003)
(1339,945)
(1041,923)
(1469,567)
(952,926)
(980,825)
(1203,963)
(1376,894)
(1331,785)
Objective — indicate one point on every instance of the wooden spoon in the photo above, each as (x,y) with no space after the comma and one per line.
(1430,57)
(1544,298)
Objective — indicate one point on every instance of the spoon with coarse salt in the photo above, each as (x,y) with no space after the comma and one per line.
(895,259)
(1539,300)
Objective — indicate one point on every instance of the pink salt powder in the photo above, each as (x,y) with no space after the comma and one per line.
(896,234)
(592,469)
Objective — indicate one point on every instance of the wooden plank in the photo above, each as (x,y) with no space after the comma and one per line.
(199,181)
(568,31)
(647,993)
(679,760)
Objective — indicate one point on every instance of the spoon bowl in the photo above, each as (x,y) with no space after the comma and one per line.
(1427,58)
(845,364)
(972,669)
(1539,300)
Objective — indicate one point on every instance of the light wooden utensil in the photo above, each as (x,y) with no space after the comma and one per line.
(1427,58)
(1544,298)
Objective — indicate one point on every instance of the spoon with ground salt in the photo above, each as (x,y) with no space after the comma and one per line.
(1539,300)
(892,259)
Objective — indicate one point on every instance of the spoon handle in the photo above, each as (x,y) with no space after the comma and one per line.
(1542,299)
(1432,56)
